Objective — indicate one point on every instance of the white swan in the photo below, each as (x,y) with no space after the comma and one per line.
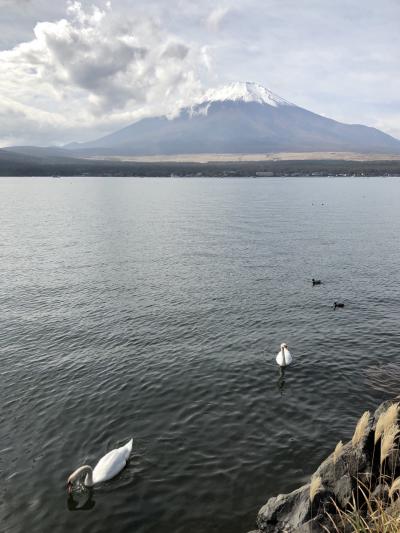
(284,357)
(108,467)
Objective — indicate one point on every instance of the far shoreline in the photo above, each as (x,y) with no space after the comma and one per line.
(246,166)
(290,164)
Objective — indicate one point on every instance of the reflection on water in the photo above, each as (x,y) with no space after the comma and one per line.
(81,501)
(145,308)
(281,380)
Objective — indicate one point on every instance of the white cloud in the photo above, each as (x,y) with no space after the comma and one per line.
(217,16)
(91,69)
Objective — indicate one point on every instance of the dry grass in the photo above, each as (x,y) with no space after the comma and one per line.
(337,451)
(395,486)
(387,441)
(386,419)
(361,429)
(375,518)
(315,487)
(369,512)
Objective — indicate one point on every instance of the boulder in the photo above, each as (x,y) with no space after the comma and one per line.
(286,511)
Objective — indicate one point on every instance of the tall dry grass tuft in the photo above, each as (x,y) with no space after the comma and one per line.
(361,429)
(394,487)
(337,451)
(375,516)
(387,441)
(315,487)
(386,419)
(370,511)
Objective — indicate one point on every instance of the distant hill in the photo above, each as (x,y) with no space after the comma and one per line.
(40,152)
(34,161)
(239,118)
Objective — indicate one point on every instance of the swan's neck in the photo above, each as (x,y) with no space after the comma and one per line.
(89,476)
(283,357)
(80,472)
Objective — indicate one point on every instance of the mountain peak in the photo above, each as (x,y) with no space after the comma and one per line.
(242,118)
(246,92)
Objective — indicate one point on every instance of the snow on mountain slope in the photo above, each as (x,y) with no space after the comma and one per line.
(245,92)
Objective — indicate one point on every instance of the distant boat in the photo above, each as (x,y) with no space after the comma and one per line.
(56,176)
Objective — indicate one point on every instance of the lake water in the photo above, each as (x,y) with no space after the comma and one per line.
(153,309)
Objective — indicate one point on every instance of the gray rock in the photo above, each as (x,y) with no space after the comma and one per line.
(312,526)
(381,492)
(285,512)
(339,477)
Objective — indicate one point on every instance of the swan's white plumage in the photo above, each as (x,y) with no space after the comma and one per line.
(280,359)
(111,464)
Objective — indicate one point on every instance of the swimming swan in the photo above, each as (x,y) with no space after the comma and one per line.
(284,357)
(108,467)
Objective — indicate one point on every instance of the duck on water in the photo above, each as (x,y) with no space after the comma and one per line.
(338,305)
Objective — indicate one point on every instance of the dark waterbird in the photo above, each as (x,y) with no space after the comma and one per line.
(336,304)
(316,281)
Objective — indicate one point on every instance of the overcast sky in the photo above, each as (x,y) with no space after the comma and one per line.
(73,71)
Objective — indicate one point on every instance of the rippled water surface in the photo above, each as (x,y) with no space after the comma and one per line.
(153,309)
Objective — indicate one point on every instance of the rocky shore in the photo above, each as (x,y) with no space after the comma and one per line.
(336,485)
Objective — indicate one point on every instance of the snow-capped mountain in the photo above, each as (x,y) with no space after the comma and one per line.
(240,118)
